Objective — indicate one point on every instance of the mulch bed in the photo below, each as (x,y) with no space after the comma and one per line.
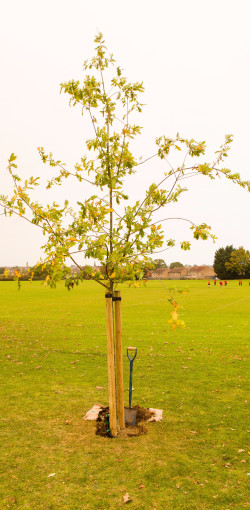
(143,415)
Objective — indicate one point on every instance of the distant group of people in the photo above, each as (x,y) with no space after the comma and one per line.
(225,283)
(215,281)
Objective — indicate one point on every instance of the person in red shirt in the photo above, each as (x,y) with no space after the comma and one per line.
(221,283)
(208,283)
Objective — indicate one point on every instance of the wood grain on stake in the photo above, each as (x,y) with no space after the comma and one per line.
(111,366)
(119,364)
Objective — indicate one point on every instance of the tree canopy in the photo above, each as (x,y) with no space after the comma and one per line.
(221,257)
(175,264)
(159,263)
(239,263)
(106,226)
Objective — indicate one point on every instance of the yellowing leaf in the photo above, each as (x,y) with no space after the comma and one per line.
(112,275)
(17,273)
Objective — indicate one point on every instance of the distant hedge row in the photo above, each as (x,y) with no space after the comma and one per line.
(22,279)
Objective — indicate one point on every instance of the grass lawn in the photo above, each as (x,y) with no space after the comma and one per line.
(53,357)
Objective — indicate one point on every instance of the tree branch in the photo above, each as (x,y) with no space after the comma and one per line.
(18,214)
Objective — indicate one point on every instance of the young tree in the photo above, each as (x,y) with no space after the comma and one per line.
(106,227)
(239,262)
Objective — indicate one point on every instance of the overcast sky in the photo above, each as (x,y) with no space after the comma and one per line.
(193,57)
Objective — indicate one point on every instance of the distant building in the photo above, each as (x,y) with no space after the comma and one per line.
(182,273)
(177,273)
(202,273)
(74,270)
(159,273)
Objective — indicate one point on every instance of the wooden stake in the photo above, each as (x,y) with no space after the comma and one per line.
(119,364)
(111,365)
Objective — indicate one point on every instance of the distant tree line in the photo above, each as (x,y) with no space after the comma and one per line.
(42,272)
(37,272)
(231,263)
(161,263)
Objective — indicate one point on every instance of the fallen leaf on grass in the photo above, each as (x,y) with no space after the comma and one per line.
(241,450)
(100,388)
(37,368)
(51,474)
(141,486)
(126,498)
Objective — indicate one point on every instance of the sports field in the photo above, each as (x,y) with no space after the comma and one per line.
(53,358)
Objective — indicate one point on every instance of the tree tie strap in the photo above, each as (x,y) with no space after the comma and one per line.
(108,295)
